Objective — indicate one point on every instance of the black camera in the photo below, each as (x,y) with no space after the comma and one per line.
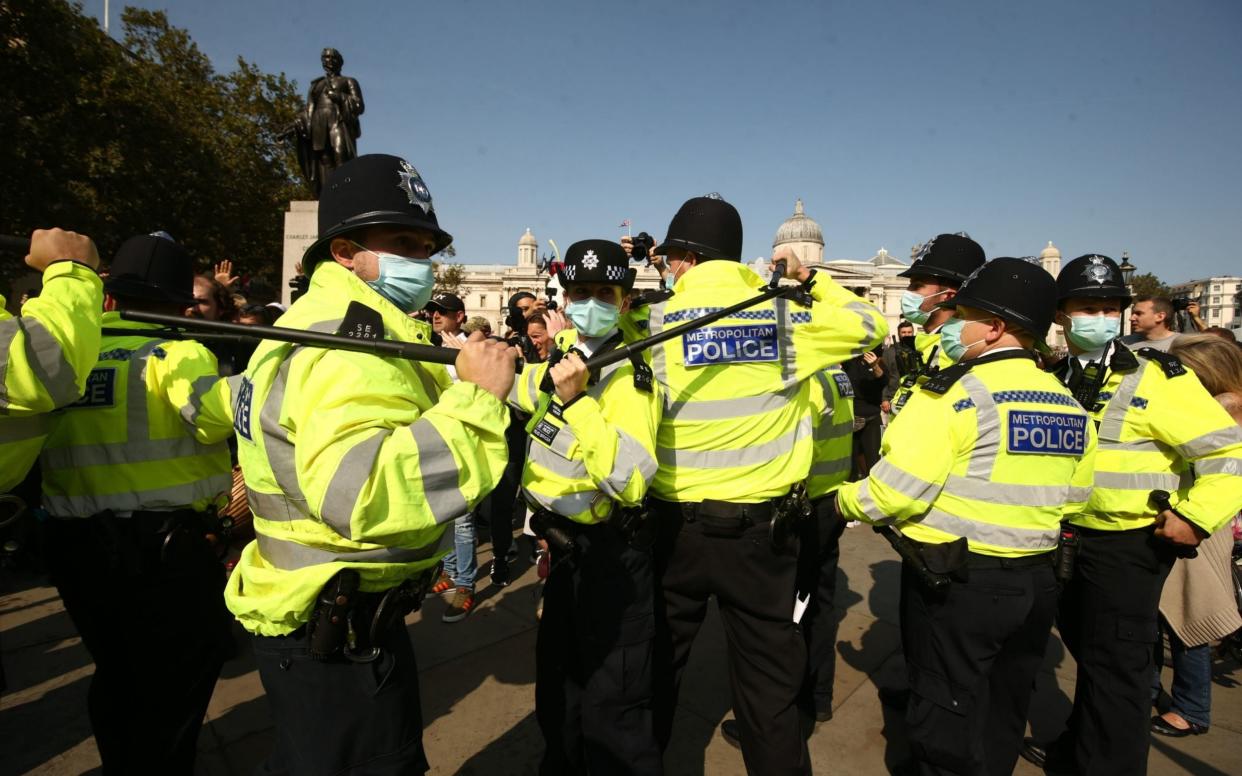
(1181,303)
(640,248)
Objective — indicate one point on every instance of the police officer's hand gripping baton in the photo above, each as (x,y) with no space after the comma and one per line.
(1161,499)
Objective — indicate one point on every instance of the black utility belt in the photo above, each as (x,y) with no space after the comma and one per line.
(1084,531)
(975,560)
(349,623)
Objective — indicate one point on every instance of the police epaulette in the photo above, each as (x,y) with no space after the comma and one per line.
(644,378)
(943,379)
(362,322)
(1123,359)
(1171,364)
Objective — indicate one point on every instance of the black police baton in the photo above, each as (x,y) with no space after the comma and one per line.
(177,327)
(1161,499)
(913,558)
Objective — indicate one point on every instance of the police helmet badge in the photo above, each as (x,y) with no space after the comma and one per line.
(1096,270)
(590,260)
(409,181)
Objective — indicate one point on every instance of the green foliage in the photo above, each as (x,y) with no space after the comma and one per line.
(115,139)
(449,278)
(1148,284)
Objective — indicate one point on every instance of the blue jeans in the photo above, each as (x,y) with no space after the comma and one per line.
(461,564)
(1192,679)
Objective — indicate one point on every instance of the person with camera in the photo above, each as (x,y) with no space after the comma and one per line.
(355,464)
(1151,320)
(981,501)
(591,459)
(1166,476)
(734,440)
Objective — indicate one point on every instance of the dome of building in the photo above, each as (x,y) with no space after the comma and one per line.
(528,239)
(1051,252)
(798,228)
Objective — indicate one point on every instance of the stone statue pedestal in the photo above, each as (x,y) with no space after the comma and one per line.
(301,229)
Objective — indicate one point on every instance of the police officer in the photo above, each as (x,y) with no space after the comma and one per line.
(832,401)
(736,435)
(1159,429)
(354,465)
(982,499)
(47,352)
(942,265)
(132,475)
(591,458)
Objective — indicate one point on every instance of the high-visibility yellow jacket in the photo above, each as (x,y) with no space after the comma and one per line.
(46,354)
(597,452)
(934,359)
(832,403)
(148,433)
(352,460)
(737,419)
(1162,432)
(1000,458)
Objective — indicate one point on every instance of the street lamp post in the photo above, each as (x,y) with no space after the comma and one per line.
(1127,275)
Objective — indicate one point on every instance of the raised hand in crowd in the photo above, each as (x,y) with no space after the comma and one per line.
(224,274)
(557,322)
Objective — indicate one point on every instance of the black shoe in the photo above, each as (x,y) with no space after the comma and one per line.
(1045,756)
(1165,728)
(895,697)
(500,573)
(730,731)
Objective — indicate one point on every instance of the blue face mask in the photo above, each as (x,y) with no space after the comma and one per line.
(951,339)
(593,318)
(910,304)
(407,283)
(1092,332)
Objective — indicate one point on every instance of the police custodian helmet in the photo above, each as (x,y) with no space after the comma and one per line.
(597,261)
(1092,275)
(152,267)
(1016,290)
(947,256)
(708,227)
(373,190)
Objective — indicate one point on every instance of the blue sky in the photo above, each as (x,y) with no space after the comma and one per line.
(1103,126)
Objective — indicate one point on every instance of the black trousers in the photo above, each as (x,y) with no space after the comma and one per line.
(1107,619)
(335,717)
(155,625)
(818,558)
(593,660)
(500,506)
(972,655)
(754,589)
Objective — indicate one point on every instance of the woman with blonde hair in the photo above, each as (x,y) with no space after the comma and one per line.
(1197,606)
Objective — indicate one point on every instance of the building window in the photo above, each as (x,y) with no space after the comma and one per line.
(1216,287)
(483,300)
(1216,300)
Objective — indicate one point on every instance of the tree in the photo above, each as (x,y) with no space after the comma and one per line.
(121,139)
(1148,284)
(449,278)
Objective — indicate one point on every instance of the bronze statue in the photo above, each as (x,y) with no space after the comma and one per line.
(327,131)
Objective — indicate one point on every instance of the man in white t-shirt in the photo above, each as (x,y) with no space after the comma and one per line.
(1150,319)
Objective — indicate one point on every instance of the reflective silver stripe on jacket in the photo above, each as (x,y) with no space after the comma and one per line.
(1137,446)
(1118,406)
(173,497)
(655,325)
(1007,493)
(830,466)
(909,485)
(441,478)
(556,463)
(745,456)
(199,389)
(863,311)
(350,477)
(991,533)
(1210,442)
(291,556)
(1144,481)
(22,428)
(45,356)
(723,409)
(1229,465)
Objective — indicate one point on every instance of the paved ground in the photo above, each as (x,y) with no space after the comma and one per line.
(478,692)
